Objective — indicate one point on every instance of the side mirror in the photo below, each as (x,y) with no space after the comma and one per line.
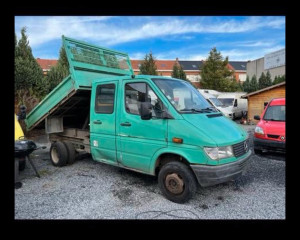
(22,112)
(256,117)
(146,113)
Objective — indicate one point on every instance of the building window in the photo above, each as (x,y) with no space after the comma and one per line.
(163,65)
(194,66)
(139,65)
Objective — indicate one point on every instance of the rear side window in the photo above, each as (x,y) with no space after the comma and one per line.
(105,97)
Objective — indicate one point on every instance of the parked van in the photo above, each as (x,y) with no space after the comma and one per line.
(269,134)
(209,91)
(233,104)
(155,125)
(216,103)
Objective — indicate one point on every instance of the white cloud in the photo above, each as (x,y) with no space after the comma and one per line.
(102,31)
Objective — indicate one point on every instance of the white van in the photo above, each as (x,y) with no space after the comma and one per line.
(233,104)
(209,91)
(213,100)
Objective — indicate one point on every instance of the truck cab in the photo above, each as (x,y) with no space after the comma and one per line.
(155,125)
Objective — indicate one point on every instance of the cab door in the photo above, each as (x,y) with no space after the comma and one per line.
(103,121)
(139,139)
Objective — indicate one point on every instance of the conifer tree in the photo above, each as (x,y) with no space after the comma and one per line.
(148,66)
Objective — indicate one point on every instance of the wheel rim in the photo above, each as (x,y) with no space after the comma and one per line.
(174,183)
(54,155)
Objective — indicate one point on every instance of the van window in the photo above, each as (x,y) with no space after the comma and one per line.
(105,96)
(275,113)
(136,93)
(227,101)
(182,95)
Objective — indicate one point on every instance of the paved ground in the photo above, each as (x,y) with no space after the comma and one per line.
(92,190)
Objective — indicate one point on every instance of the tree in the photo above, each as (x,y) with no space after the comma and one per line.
(246,85)
(216,75)
(253,84)
(279,79)
(175,72)
(148,66)
(178,72)
(59,72)
(264,80)
(182,74)
(28,73)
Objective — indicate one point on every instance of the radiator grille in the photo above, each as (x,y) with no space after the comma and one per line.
(239,148)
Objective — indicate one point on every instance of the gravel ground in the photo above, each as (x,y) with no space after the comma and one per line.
(92,190)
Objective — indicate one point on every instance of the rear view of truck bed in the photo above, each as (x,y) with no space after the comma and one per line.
(70,100)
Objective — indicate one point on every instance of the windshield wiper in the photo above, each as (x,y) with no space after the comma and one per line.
(191,110)
(209,108)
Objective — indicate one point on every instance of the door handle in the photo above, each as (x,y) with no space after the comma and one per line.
(97,122)
(126,124)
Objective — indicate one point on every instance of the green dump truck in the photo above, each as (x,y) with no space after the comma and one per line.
(150,124)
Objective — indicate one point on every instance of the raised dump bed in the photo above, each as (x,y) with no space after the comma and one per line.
(70,100)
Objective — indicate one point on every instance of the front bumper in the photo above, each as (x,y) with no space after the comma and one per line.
(212,175)
(265,144)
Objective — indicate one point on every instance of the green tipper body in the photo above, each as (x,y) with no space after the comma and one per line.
(86,62)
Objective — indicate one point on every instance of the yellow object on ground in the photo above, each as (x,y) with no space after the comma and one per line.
(18,130)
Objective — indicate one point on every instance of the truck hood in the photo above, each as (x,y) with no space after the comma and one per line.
(221,129)
(226,109)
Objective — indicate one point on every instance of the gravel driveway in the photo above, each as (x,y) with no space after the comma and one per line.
(92,190)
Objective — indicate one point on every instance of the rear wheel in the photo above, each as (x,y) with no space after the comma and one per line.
(177,182)
(58,154)
(71,152)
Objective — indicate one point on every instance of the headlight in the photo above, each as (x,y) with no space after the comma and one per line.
(217,153)
(259,130)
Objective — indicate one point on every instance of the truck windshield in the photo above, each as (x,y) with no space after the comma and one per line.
(184,97)
(275,113)
(217,102)
(226,101)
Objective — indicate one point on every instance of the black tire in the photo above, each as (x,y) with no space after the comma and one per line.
(257,151)
(181,185)
(22,165)
(71,152)
(58,154)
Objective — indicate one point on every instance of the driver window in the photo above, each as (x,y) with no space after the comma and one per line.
(136,93)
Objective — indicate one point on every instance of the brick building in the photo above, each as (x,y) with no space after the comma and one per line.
(46,64)
(165,68)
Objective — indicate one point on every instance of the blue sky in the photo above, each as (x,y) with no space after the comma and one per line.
(186,37)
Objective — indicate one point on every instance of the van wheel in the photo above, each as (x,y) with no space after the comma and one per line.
(58,154)
(177,182)
(71,152)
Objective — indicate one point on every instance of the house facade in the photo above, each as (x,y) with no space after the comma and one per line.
(165,68)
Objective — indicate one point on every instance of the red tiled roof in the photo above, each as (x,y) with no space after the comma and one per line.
(160,64)
(46,63)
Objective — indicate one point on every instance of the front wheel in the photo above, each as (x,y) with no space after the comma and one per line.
(177,182)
